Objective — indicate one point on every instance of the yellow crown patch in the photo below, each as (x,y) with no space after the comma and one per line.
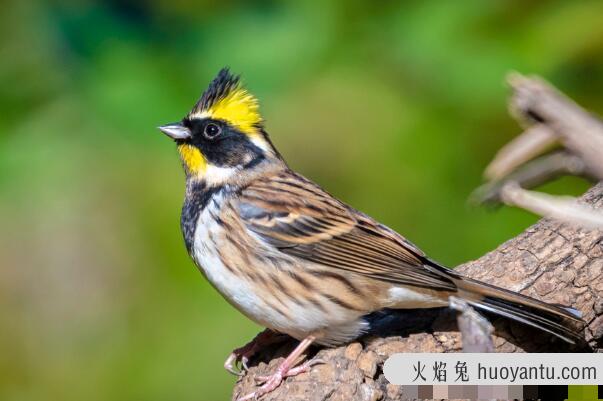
(226,99)
(239,108)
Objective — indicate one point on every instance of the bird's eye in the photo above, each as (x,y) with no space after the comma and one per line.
(212,130)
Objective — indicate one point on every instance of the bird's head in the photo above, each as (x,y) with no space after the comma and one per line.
(222,138)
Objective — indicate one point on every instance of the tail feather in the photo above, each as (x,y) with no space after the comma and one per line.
(560,321)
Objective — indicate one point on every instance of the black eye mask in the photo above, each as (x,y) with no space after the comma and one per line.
(227,147)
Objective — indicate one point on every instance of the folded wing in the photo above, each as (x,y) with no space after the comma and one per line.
(300,219)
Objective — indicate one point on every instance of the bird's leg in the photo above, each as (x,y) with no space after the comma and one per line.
(241,355)
(285,369)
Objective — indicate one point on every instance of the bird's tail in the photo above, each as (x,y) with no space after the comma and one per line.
(563,322)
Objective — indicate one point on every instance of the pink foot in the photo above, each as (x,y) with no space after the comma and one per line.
(304,367)
(273,381)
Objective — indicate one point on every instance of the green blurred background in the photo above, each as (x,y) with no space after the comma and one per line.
(396,107)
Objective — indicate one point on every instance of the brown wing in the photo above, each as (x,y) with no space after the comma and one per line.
(300,219)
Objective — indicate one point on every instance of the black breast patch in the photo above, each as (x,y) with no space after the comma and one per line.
(198,195)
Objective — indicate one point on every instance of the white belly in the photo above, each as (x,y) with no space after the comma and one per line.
(236,289)
(244,295)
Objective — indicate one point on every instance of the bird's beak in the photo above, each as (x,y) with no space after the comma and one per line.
(175,131)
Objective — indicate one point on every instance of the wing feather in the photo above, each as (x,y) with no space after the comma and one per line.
(302,220)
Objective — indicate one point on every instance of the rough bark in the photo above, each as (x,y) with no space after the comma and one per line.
(551,261)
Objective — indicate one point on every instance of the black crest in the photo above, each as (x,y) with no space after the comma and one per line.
(218,89)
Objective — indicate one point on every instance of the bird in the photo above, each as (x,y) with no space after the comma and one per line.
(296,260)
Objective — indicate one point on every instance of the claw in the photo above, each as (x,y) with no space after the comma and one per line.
(236,363)
(244,361)
(230,364)
(285,369)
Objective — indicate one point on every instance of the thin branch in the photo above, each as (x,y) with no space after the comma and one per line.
(563,208)
(533,142)
(532,174)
